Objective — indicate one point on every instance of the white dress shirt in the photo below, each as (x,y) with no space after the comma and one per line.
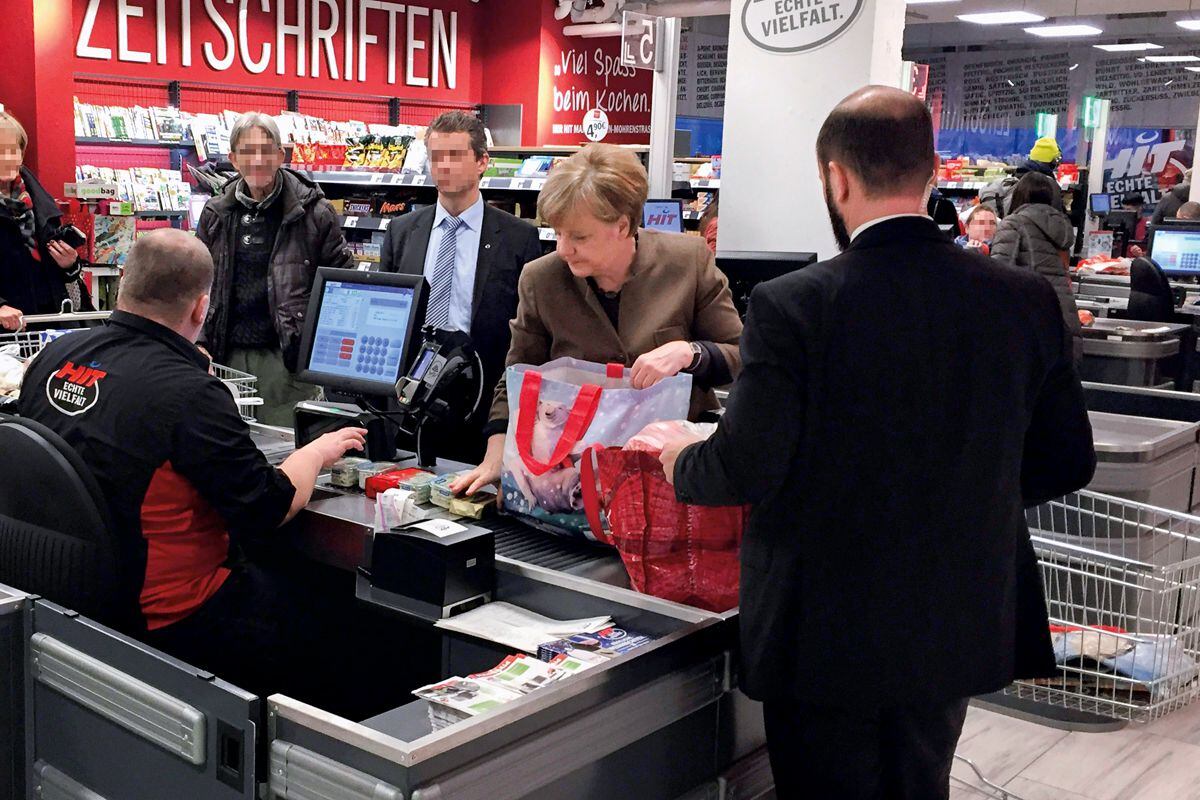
(873,223)
(466,258)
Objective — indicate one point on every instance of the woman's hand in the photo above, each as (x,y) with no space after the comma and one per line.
(487,473)
(11,319)
(662,362)
(64,255)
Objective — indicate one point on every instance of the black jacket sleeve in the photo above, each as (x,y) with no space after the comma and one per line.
(1059,455)
(756,442)
(212,449)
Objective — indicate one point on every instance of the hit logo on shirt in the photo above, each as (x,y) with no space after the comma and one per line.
(74,389)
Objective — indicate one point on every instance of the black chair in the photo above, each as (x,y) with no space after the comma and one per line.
(1150,295)
(56,538)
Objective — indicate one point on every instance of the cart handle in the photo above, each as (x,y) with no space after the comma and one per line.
(82,316)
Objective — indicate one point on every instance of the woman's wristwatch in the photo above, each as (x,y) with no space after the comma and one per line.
(697,356)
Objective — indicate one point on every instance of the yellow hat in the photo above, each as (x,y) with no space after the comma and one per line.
(1045,150)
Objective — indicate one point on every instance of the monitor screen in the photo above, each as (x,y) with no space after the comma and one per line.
(1101,203)
(360,328)
(1177,250)
(663,215)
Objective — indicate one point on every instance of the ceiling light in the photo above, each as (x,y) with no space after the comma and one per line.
(1189,24)
(1128,48)
(1010,83)
(1192,69)
(929,2)
(1002,18)
(1072,68)
(1171,59)
(1168,83)
(1049,31)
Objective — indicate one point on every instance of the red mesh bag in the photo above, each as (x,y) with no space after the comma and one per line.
(683,553)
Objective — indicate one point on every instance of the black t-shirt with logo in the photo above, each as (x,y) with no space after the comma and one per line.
(169,450)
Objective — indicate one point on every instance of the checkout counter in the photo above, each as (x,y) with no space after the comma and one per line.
(106,717)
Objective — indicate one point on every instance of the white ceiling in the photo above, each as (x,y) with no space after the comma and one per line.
(946,12)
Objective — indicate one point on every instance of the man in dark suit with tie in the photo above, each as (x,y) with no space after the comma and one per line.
(471,254)
(899,407)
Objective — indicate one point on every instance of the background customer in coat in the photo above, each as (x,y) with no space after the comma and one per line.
(887,573)
(1036,235)
(1044,158)
(471,254)
(34,267)
(268,231)
(613,293)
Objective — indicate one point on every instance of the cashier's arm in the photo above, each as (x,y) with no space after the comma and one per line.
(303,466)
(755,444)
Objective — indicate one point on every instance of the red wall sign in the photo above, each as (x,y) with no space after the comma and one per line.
(355,46)
(582,77)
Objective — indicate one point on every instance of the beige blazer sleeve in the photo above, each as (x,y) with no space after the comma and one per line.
(717,319)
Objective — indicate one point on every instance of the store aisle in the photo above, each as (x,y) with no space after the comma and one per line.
(1141,762)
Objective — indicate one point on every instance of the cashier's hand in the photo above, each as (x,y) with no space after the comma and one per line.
(335,445)
(663,362)
(671,451)
(11,319)
(64,255)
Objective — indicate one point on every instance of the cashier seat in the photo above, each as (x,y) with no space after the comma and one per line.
(56,539)
(1150,296)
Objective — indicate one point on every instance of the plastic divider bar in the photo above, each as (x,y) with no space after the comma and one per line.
(54,785)
(154,715)
(301,774)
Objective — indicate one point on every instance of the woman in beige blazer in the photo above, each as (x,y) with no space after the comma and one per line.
(613,293)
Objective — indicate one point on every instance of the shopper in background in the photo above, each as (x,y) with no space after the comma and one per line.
(268,231)
(470,252)
(1168,206)
(1044,158)
(1038,236)
(614,293)
(1188,210)
(980,222)
(887,573)
(708,224)
(35,267)
(1136,247)
(183,480)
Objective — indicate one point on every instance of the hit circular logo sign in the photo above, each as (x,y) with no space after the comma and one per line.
(75,388)
(794,26)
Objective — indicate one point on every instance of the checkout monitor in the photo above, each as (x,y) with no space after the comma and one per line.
(1176,249)
(360,330)
(1101,204)
(663,215)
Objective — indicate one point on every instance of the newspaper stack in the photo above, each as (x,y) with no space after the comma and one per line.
(456,699)
(517,627)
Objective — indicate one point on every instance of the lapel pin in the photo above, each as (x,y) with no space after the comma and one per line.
(487,246)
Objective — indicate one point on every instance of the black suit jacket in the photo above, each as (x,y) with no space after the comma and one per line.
(899,406)
(506,245)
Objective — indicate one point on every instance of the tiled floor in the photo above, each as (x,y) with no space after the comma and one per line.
(1159,761)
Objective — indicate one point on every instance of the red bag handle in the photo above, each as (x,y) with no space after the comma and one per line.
(616,371)
(591,493)
(582,413)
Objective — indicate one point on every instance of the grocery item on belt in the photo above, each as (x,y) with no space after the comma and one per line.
(611,641)
(373,468)
(474,506)
(344,472)
(419,486)
(390,480)
(439,490)
(396,508)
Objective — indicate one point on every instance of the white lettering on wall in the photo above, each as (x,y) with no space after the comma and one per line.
(392,10)
(160,31)
(349,44)
(84,48)
(413,46)
(124,53)
(253,67)
(445,47)
(299,31)
(364,39)
(185,40)
(224,62)
(324,35)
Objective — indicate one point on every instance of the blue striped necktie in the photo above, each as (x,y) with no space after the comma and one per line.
(441,287)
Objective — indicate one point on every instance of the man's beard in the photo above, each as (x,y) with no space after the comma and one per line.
(836,220)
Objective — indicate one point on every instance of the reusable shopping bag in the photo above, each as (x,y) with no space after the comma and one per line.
(559,410)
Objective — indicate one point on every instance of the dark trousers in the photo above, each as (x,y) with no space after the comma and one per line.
(856,754)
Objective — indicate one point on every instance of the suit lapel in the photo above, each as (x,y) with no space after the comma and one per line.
(489,243)
(412,260)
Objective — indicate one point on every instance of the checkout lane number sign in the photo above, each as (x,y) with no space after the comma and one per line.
(797,26)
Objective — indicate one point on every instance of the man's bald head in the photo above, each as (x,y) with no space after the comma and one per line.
(166,272)
(884,136)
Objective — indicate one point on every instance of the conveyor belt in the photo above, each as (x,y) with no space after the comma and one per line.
(521,543)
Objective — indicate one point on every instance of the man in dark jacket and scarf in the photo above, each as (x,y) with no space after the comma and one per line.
(268,231)
(35,268)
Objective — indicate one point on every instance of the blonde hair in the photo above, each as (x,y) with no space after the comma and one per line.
(603,179)
(7,120)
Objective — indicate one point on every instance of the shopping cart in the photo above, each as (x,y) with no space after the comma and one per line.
(26,344)
(1122,585)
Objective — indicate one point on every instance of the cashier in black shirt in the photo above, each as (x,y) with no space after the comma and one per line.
(176,463)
